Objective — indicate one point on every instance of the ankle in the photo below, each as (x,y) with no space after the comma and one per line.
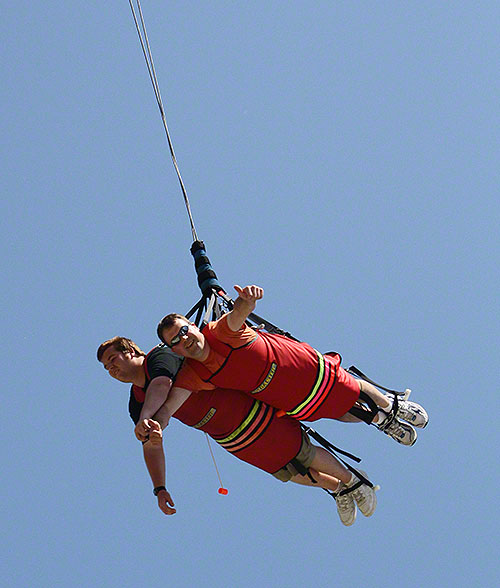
(389,405)
(381,416)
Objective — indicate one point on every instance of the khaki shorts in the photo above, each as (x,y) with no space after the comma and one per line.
(305,456)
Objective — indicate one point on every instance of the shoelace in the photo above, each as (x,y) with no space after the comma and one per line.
(359,495)
(405,410)
(396,428)
(344,500)
(392,424)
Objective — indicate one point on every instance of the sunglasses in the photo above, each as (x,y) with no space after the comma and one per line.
(177,339)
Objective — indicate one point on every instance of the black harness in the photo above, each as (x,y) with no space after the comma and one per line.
(215,302)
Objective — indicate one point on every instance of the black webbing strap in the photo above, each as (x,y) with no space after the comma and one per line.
(334,451)
(207,308)
(270,328)
(199,307)
(212,291)
(299,466)
(362,412)
(348,490)
(326,444)
(392,415)
(302,470)
(209,285)
(354,371)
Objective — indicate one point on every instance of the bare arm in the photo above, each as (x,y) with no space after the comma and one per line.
(243,306)
(156,395)
(155,462)
(175,400)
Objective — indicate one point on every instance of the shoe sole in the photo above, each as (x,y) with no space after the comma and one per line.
(348,524)
(397,439)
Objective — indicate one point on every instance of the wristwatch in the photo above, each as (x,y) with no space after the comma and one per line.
(157,490)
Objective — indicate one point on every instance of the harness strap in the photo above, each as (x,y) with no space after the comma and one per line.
(350,489)
(326,444)
(334,450)
(368,415)
(362,412)
(356,372)
(198,308)
(302,470)
(390,415)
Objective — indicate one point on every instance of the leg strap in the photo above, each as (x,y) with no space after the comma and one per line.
(366,410)
(368,413)
(351,488)
(353,370)
(302,470)
(390,415)
(334,450)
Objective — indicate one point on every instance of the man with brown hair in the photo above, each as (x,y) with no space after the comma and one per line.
(247,428)
(290,375)
(153,372)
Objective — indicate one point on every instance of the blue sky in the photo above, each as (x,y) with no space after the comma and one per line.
(343,155)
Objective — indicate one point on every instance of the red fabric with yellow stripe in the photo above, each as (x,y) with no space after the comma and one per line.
(247,428)
(283,373)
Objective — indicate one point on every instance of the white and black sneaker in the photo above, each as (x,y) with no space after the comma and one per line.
(412,413)
(400,431)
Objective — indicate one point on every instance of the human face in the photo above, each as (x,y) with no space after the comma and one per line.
(120,365)
(177,339)
(187,343)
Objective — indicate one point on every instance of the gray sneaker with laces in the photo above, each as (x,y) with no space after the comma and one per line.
(345,506)
(363,495)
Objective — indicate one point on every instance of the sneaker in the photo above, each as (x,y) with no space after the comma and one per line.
(400,431)
(413,413)
(364,495)
(345,506)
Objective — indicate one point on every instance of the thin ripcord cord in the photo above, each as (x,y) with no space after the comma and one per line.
(215,464)
(148,56)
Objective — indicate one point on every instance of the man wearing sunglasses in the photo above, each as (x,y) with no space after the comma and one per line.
(289,375)
(247,428)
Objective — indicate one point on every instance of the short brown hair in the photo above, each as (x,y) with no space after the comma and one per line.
(120,344)
(166,322)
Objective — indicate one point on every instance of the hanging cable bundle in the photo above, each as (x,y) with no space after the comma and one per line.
(214,300)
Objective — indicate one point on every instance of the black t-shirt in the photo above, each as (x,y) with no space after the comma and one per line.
(160,361)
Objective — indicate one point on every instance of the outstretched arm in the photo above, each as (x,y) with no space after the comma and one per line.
(155,462)
(176,399)
(243,306)
(156,395)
